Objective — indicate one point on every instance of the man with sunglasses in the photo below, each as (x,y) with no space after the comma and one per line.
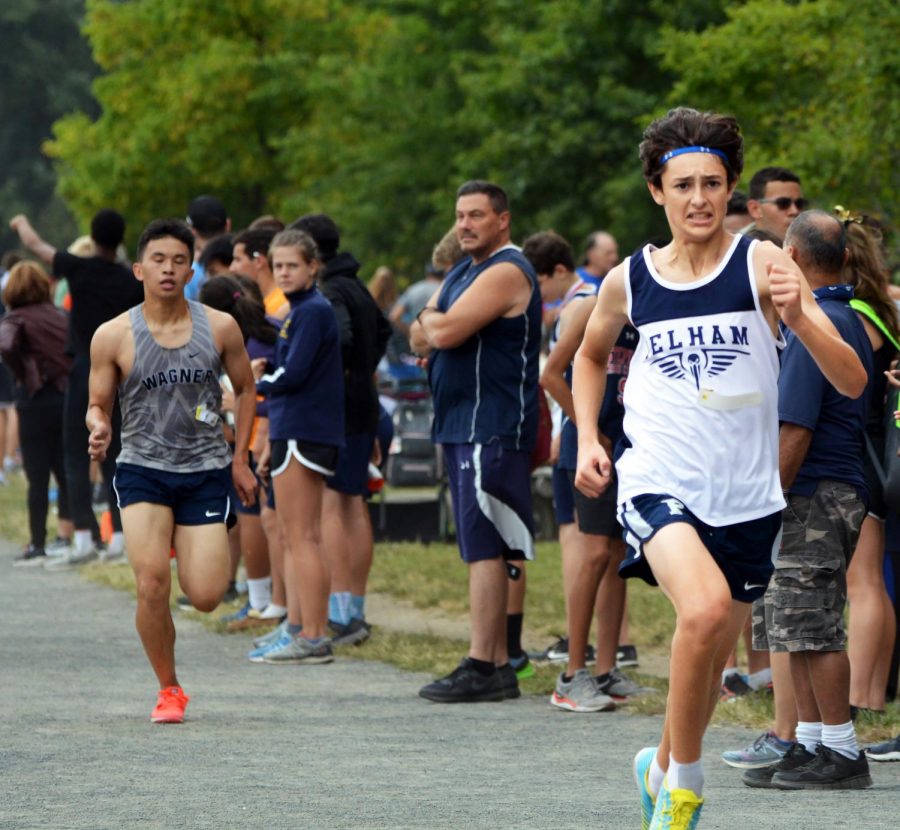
(775,199)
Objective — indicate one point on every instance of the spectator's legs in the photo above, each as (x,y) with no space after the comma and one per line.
(488,586)
(610,606)
(872,621)
(75,437)
(40,420)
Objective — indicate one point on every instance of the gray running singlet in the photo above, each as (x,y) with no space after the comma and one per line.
(171,401)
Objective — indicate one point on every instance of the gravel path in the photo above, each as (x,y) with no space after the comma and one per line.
(339,746)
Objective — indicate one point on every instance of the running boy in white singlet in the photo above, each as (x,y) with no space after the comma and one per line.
(165,357)
(699,492)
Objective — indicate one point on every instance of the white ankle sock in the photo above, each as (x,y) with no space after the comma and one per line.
(760,679)
(260,592)
(841,738)
(83,541)
(655,776)
(685,776)
(809,734)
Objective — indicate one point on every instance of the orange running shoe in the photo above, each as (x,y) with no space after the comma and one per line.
(170,705)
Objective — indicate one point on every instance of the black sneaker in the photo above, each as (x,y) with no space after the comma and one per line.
(31,556)
(465,684)
(627,657)
(829,770)
(509,681)
(352,634)
(796,756)
(558,652)
(733,687)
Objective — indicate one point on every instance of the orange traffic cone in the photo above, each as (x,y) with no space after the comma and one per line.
(106,526)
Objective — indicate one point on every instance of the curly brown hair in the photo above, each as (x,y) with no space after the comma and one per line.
(686,127)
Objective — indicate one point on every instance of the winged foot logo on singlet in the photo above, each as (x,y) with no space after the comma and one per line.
(700,351)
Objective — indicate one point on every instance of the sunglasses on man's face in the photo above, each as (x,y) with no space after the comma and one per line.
(785,202)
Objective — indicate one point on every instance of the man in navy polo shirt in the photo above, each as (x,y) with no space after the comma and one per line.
(481,333)
(821,451)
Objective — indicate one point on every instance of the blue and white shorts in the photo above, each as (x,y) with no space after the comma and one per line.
(491,492)
(745,552)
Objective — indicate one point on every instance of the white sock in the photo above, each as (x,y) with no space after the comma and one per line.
(116,543)
(809,734)
(273,611)
(728,672)
(841,738)
(759,679)
(83,541)
(655,776)
(685,776)
(260,592)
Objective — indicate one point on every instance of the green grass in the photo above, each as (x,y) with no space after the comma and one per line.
(432,577)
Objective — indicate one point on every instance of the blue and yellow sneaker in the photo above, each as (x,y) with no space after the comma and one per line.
(642,763)
(676,809)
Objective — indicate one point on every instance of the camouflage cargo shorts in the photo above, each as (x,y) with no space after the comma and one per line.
(803,607)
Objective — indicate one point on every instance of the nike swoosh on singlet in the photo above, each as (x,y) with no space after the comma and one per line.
(193,355)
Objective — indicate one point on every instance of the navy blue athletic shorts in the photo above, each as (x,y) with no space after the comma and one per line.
(491,492)
(200,498)
(351,475)
(563,496)
(320,458)
(745,552)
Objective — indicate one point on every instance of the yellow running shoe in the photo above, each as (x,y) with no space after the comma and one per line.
(676,809)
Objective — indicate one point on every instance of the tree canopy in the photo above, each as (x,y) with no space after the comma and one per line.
(375,110)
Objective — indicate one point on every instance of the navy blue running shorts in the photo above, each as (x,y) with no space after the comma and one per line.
(320,458)
(351,475)
(597,517)
(491,492)
(200,498)
(745,552)
(563,496)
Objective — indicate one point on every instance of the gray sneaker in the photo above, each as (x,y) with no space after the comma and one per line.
(70,560)
(300,650)
(620,686)
(580,694)
(272,636)
(765,751)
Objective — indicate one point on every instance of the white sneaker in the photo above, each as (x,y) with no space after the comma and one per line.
(70,560)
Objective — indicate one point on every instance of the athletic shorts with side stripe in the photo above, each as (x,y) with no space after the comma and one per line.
(320,458)
(491,492)
(744,551)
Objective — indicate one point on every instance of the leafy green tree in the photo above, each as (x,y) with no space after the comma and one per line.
(47,68)
(816,87)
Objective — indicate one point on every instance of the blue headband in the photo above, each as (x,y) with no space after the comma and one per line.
(681,150)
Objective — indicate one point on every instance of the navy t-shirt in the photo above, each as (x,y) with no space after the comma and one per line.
(807,399)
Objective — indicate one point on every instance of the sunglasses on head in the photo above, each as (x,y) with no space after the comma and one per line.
(785,202)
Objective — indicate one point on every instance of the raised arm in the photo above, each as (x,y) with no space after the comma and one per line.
(788,292)
(104,380)
(44,251)
(237,367)
(589,381)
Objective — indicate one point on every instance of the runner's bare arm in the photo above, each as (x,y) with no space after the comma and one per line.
(237,367)
(573,322)
(104,380)
(500,290)
(594,467)
(788,292)
(44,251)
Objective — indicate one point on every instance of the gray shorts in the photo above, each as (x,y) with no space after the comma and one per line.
(804,604)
